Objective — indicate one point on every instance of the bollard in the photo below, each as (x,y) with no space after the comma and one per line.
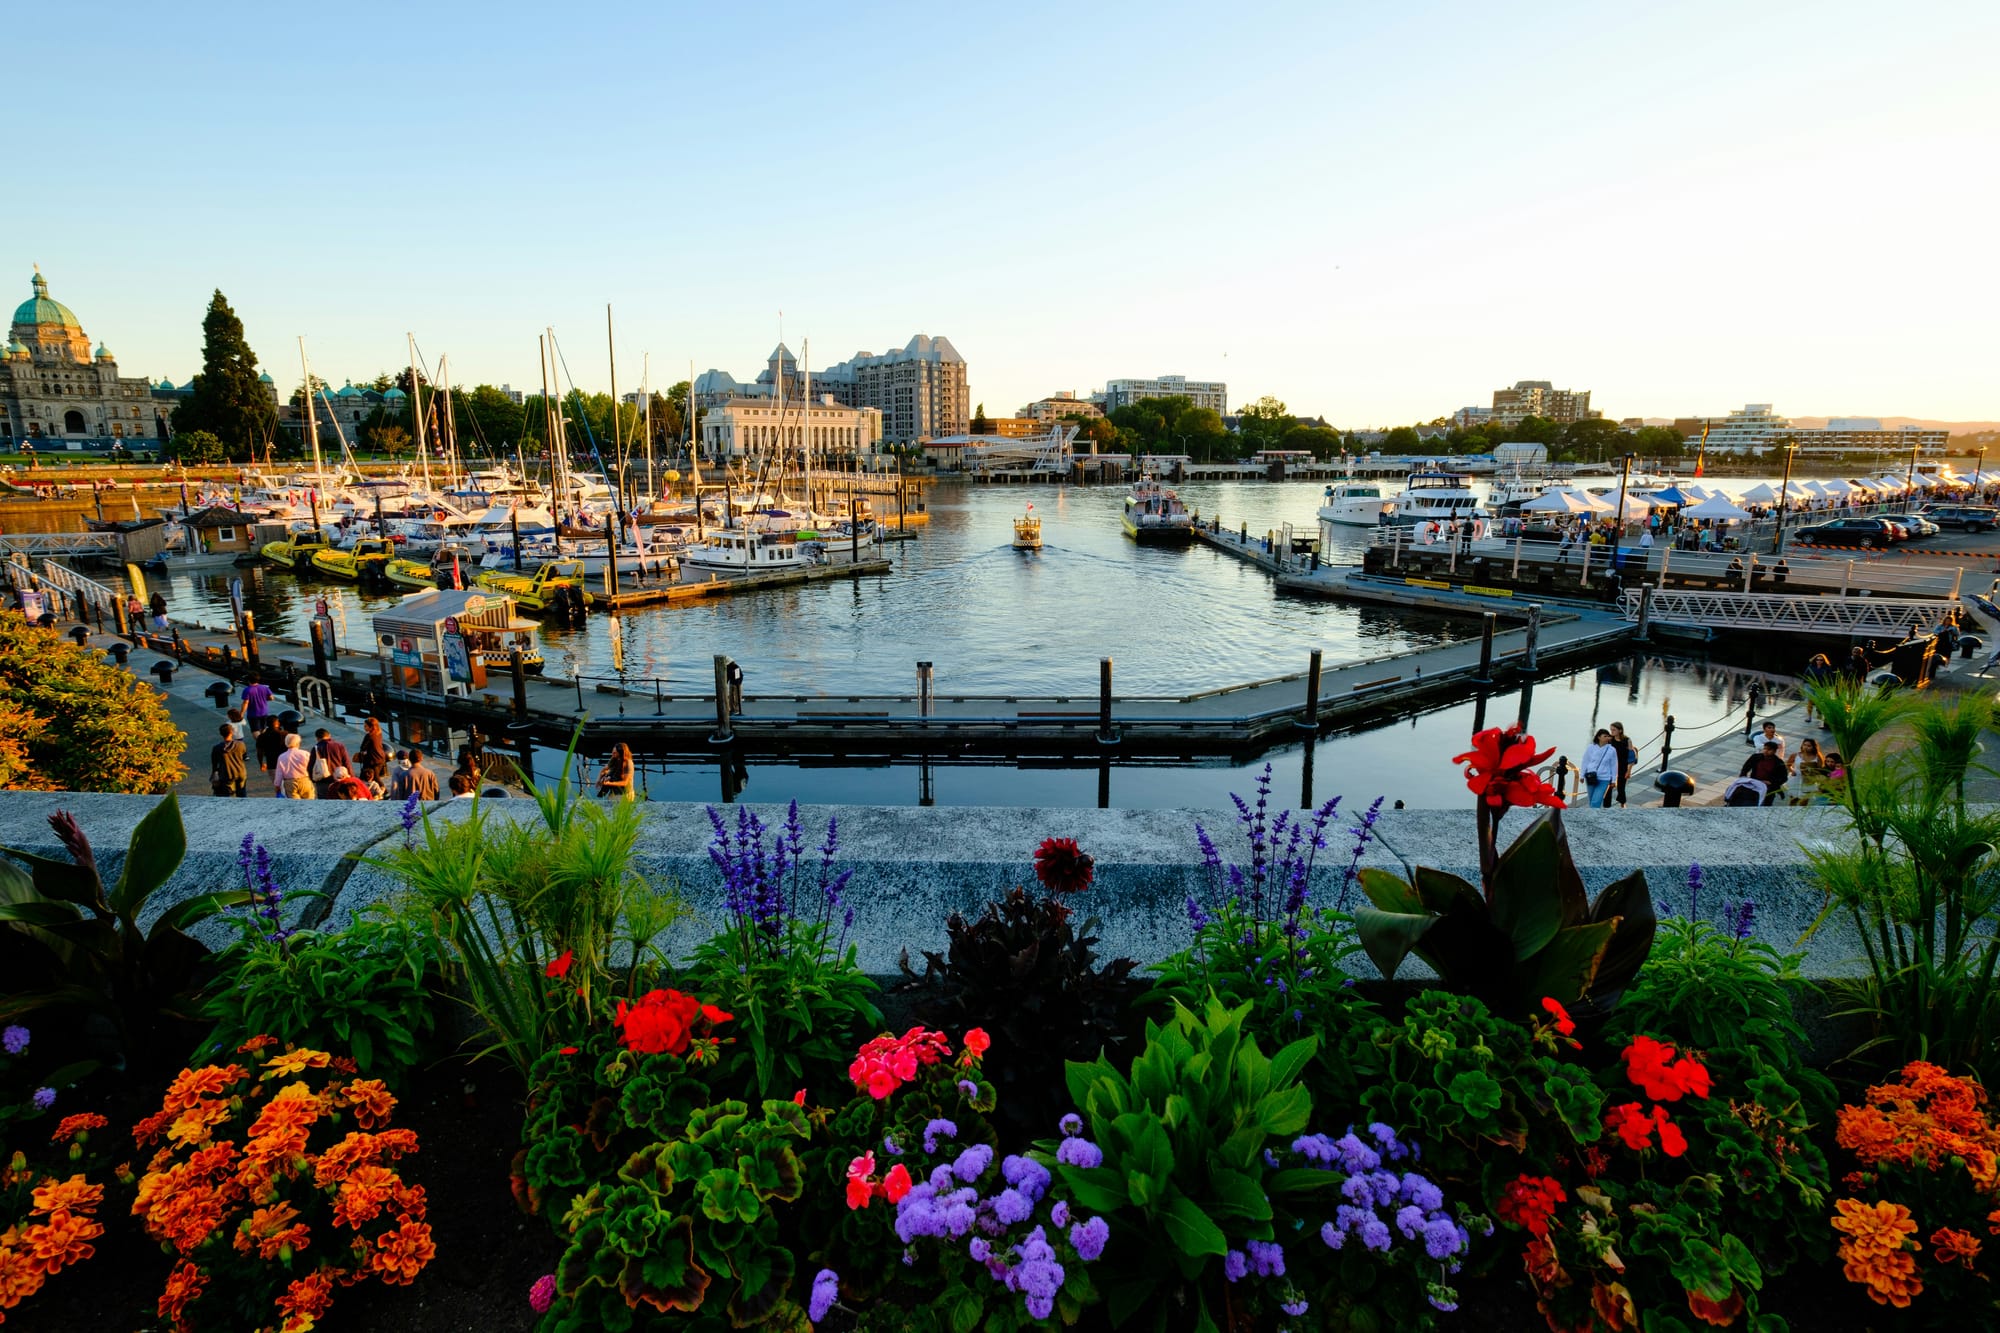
(1674,786)
(1534,635)
(1750,713)
(1645,610)
(219,692)
(1105,736)
(80,634)
(1485,676)
(121,652)
(164,669)
(520,674)
(724,732)
(1667,743)
(318,647)
(1562,776)
(514,528)
(1310,721)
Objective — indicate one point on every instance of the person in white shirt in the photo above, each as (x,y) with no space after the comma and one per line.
(1600,768)
(1769,734)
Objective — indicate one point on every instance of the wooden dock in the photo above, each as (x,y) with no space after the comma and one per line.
(719,585)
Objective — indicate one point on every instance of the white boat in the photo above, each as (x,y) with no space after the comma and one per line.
(1434,497)
(1355,504)
(747,551)
(1028,531)
(1155,514)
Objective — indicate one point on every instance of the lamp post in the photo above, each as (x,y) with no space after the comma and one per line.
(1978,473)
(1910,482)
(1791,448)
(1624,474)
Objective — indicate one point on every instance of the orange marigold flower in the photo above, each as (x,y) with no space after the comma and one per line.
(150,1128)
(401,1253)
(372,1103)
(75,1195)
(184,1286)
(61,1241)
(269,1231)
(194,1125)
(71,1125)
(363,1194)
(287,1063)
(20,1276)
(1878,1250)
(281,1128)
(306,1299)
(193,1085)
(257,1043)
(1953,1246)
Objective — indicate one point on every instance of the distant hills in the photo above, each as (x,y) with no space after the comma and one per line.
(1891,423)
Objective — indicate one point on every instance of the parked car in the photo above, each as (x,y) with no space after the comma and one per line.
(1848,532)
(1916,524)
(1968,518)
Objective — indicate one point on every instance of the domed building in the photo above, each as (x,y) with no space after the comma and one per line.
(57,393)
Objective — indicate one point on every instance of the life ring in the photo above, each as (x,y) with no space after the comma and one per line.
(1426,532)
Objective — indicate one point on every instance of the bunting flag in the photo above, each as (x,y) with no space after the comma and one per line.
(1702,454)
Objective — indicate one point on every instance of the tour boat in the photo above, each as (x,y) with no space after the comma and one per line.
(747,551)
(361,562)
(1155,514)
(1434,497)
(1028,531)
(1356,504)
(543,589)
(296,549)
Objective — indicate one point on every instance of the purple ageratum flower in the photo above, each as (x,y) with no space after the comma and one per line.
(979,1249)
(14,1039)
(1080,1153)
(972,1163)
(825,1291)
(1071,1125)
(959,1211)
(1294,1308)
(1441,1297)
(889,1146)
(1443,1238)
(942,1181)
(1011,1206)
(1267,1258)
(938,1129)
(1374,1232)
(1384,1135)
(1334,1238)
(1090,1238)
(1026,1175)
(1355,1156)
(1317,1149)
(1235,1265)
(1410,1220)
(966,1087)
(1421,1192)
(44,1098)
(1038,1277)
(1060,1213)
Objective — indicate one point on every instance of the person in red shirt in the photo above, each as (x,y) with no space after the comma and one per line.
(1768,766)
(344,786)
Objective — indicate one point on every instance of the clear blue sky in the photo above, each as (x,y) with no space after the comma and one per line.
(1376,212)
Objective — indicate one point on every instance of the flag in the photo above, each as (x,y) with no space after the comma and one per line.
(1031,504)
(1702,453)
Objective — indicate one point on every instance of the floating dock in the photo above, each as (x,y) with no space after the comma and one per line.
(669,594)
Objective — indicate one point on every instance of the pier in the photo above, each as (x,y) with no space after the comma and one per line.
(717,585)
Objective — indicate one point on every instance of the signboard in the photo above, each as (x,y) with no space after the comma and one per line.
(1478,591)
(1428,583)
(405,652)
(236,603)
(31,604)
(326,634)
(457,661)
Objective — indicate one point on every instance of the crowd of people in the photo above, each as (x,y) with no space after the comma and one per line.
(324,769)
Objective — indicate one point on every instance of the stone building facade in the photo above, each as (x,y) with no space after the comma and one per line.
(57,393)
(919,391)
(758,426)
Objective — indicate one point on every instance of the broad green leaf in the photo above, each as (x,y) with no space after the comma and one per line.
(1291,1061)
(1527,903)
(155,852)
(1099,1188)
(1388,937)
(1442,892)
(1192,1231)
(1568,967)
(1630,903)
(1237,1194)
(1285,1112)
(1390,892)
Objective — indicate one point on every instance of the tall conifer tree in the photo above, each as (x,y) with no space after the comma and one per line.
(227,400)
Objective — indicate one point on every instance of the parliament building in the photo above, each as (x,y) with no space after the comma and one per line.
(56,393)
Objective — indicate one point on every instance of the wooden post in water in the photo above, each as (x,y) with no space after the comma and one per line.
(519,671)
(1485,676)
(1516,575)
(1310,721)
(1105,736)
(1645,610)
(723,732)
(611,553)
(1534,633)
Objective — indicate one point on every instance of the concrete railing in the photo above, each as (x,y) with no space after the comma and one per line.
(914,866)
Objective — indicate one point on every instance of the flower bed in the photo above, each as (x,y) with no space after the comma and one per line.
(1599,1116)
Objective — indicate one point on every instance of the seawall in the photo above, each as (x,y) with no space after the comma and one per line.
(914,866)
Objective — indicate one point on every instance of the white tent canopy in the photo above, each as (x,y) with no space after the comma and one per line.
(1716,507)
(1561,502)
(1761,494)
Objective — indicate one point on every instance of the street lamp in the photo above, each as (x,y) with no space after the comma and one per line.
(1624,475)
(1791,448)
(1910,482)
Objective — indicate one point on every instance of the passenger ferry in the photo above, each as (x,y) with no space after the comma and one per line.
(1028,531)
(1155,514)
(1357,504)
(748,551)
(1434,497)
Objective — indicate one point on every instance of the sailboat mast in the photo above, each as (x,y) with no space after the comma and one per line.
(805,418)
(312,415)
(646,395)
(549,444)
(448,426)
(417,412)
(617,419)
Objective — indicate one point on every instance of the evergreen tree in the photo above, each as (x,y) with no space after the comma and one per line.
(227,399)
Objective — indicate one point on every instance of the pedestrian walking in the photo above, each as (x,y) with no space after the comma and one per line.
(372,755)
(1628,758)
(159,605)
(291,776)
(256,701)
(239,726)
(344,786)
(270,742)
(329,756)
(228,775)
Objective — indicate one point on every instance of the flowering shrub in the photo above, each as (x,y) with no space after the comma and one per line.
(51,1221)
(267,1198)
(1200,1165)
(1928,1175)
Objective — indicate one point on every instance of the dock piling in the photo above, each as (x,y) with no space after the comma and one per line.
(724,733)
(611,555)
(318,647)
(1667,742)
(1645,610)
(519,670)
(926,689)
(1309,721)
(1487,621)
(1105,736)
(250,638)
(1534,633)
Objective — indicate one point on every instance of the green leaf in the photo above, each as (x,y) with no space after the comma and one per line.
(1630,903)
(1192,1231)
(1290,1062)
(1441,892)
(155,852)
(1568,967)
(200,907)
(1237,1194)
(1527,904)
(1101,1189)
(39,913)
(1284,1113)
(1389,892)
(1388,937)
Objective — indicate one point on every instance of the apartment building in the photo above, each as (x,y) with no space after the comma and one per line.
(1202,393)
(1541,398)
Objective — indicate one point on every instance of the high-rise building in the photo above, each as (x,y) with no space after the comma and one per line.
(1541,398)
(1755,429)
(1202,393)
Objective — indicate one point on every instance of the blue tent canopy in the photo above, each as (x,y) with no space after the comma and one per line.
(1670,496)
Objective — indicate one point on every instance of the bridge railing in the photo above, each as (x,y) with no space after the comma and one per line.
(1791,612)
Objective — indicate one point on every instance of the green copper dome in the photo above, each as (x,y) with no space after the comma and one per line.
(41,310)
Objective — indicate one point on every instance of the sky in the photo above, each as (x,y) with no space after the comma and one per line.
(1376,213)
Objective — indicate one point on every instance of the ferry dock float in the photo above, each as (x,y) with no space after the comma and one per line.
(716,585)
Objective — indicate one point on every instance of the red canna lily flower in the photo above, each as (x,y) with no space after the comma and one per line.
(560,967)
(1500,769)
(1564,1023)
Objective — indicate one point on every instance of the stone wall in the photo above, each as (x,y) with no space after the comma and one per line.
(914,866)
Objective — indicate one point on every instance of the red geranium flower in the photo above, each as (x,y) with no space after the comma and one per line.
(1529,1202)
(860,1187)
(799,1097)
(1564,1023)
(1654,1070)
(663,1021)
(560,966)
(977,1043)
(1500,769)
(896,1184)
(1062,866)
